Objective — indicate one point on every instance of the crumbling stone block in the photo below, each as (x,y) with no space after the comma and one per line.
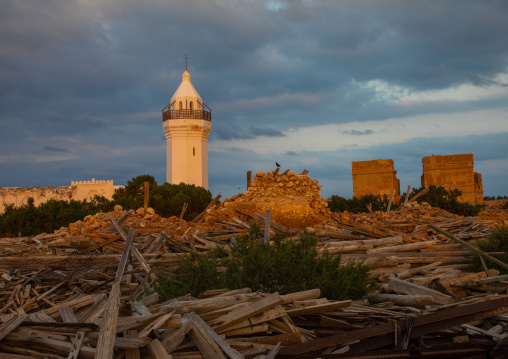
(375,177)
(454,171)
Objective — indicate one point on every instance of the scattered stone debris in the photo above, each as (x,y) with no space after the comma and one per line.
(87,290)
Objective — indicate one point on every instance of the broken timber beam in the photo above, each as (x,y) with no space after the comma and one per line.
(107,332)
(469,246)
(382,335)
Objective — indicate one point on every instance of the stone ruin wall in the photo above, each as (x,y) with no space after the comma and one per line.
(294,200)
(375,177)
(454,171)
(449,171)
(78,190)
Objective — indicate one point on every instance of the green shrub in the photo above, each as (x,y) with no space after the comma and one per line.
(497,241)
(286,266)
(505,205)
(445,199)
(358,205)
(166,199)
(30,220)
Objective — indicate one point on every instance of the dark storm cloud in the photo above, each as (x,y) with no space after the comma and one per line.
(230,132)
(92,76)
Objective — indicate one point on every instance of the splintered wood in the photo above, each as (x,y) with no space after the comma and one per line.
(87,291)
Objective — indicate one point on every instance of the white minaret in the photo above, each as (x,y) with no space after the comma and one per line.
(187,122)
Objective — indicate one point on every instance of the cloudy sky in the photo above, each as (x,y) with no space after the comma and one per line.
(310,84)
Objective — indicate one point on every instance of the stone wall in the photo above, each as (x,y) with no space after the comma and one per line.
(294,200)
(454,171)
(375,177)
(78,190)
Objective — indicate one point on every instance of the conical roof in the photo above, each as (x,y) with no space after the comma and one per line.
(186,90)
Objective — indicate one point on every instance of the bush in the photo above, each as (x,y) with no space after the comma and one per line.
(286,266)
(30,220)
(445,199)
(166,199)
(497,241)
(358,205)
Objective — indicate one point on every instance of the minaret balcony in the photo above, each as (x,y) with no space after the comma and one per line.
(187,113)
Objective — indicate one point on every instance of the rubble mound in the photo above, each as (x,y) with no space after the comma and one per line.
(294,200)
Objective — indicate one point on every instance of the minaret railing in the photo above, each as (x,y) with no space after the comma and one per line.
(187,113)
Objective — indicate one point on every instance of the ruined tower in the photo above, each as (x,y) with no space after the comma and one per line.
(187,122)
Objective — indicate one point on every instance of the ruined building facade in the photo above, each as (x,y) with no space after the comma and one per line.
(450,172)
(375,177)
(78,190)
(454,171)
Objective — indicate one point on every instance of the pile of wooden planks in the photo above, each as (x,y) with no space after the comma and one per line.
(88,290)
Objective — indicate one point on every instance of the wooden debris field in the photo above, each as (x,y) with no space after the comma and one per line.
(86,291)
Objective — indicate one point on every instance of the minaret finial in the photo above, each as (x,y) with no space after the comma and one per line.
(185,62)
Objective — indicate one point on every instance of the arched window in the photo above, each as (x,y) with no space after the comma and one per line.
(191,105)
(180,105)
(193,150)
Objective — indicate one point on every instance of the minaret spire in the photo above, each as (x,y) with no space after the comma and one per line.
(185,62)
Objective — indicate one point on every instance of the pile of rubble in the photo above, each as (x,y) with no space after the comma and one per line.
(87,290)
(293,199)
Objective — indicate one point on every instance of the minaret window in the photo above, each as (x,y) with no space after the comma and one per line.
(193,150)
(180,104)
(191,105)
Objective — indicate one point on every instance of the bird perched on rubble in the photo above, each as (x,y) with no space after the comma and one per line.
(277,164)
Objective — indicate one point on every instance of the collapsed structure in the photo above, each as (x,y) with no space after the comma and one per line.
(78,191)
(375,177)
(379,177)
(293,199)
(454,171)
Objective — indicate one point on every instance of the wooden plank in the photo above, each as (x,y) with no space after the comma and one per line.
(103,243)
(202,339)
(469,246)
(390,201)
(404,287)
(405,300)
(316,309)
(147,193)
(418,195)
(76,345)
(407,194)
(119,221)
(200,324)
(273,352)
(273,224)
(157,351)
(131,353)
(57,346)
(67,314)
(303,295)
(7,327)
(402,247)
(155,325)
(74,304)
(267,226)
(202,214)
(136,253)
(172,338)
(107,331)
(243,312)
